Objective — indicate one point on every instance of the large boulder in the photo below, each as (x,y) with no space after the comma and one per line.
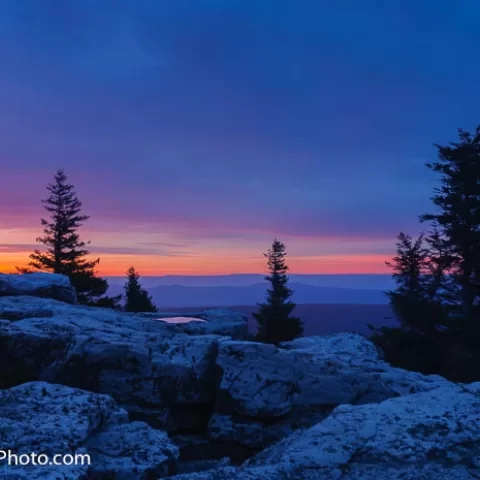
(38,284)
(154,369)
(432,435)
(87,433)
(267,392)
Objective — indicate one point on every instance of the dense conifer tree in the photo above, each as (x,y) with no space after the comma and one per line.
(457,219)
(66,253)
(443,309)
(415,344)
(136,298)
(416,300)
(274,322)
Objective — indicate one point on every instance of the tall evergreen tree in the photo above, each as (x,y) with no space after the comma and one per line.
(66,253)
(445,315)
(457,219)
(137,299)
(274,322)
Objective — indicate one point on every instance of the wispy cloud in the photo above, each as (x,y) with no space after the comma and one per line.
(258,120)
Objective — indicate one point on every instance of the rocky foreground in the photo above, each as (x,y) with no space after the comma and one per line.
(147,399)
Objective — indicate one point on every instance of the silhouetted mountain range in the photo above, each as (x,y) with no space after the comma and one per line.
(324,319)
(361,280)
(166,296)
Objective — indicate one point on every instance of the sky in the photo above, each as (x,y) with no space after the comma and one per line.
(196,131)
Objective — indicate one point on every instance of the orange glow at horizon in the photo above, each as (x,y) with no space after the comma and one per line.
(154,265)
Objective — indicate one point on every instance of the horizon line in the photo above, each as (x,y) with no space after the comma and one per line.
(257,274)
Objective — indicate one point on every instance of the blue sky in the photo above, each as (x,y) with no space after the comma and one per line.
(196,131)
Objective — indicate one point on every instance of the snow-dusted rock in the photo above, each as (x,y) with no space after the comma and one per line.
(433,435)
(38,284)
(49,419)
(267,392)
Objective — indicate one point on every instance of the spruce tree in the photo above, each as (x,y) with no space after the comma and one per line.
(445,315)
(66,253)
(415,302)
(457,219)
(274,322)
(137,299)
(409,265)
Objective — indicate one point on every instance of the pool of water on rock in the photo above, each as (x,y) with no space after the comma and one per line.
(181,319)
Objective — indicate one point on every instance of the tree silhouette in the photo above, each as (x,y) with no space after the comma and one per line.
(66,253)
(457,220)
(137,299)
(274,322)
(438,277)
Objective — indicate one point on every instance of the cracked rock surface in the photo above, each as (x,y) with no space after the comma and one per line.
(50,419)
(424,436)
(196,401)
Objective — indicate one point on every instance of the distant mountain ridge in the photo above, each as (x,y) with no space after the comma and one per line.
(166,296)
(358,281)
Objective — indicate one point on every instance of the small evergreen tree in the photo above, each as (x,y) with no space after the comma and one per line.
(66,253)
(274,322)
(415,345)
(409,265)
(137,299)
(415,300)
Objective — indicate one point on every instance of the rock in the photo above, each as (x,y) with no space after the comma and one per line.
(193,448)
(50,419)
(223,322)
(202,465)
(224,395)
(432,435)
(168,382)
(267,392)
(423,435)
(160,374)
(349,346)
(217,321)
(38,284)
(150,452)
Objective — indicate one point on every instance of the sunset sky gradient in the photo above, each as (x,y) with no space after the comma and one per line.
(196,131)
